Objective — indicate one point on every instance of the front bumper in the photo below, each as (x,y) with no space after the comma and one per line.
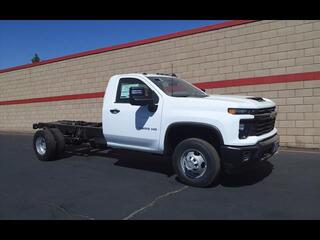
(237,159)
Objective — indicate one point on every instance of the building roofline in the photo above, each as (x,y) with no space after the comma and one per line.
(133,44)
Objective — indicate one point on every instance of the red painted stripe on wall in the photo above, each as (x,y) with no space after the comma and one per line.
(261,80)
(54,98)
(135,43)
(295,77)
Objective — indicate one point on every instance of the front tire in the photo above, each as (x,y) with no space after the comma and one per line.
(44,145)
(196,162)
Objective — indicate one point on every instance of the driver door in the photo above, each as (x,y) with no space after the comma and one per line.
(129,126)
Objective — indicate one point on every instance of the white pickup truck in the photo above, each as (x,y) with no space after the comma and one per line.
(201,134)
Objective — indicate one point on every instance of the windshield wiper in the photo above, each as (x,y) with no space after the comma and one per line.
(189,95)
(181,95)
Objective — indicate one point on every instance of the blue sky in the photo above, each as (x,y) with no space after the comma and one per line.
(20,40)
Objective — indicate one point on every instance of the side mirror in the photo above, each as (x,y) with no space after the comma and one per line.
(137,96)
(203,90)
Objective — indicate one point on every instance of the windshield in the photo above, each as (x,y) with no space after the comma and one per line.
(175,87)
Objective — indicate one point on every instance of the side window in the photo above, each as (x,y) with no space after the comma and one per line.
(123,88)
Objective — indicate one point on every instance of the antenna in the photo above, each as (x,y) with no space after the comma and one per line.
(171,79)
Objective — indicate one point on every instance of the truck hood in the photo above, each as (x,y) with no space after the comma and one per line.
(222,102)
(242,101)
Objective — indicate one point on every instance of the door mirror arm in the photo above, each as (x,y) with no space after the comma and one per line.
(152,107)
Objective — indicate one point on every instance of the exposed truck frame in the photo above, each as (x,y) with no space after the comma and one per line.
(76,132)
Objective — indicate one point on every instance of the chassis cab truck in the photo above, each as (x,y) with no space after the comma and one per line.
(201,134)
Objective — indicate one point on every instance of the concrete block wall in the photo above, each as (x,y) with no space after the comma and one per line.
(251,50)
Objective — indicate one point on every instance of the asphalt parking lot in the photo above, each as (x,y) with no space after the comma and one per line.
(130,185)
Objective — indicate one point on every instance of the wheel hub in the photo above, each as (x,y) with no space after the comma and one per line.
(41,145)
(193,163)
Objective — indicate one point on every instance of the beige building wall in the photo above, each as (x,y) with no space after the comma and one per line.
(262,48)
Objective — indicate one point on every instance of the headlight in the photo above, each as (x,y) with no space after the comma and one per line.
(240,111)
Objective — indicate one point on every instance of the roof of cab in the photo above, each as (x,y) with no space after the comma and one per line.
(146,74)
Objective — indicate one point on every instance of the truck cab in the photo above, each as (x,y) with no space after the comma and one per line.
(240,128)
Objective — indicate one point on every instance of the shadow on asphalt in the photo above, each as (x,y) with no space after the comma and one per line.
(247,178)
(125,158)
(155,163)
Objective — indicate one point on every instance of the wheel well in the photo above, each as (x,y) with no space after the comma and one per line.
(178,132)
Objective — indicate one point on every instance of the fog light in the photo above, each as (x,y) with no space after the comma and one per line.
(244,128)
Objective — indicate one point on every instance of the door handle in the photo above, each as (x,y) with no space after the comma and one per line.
(114,111)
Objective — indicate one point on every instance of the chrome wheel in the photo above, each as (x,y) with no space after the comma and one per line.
(193,163)
(41,145)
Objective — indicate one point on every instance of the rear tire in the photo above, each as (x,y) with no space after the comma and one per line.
(196,162)
(44,145)
(60,141)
